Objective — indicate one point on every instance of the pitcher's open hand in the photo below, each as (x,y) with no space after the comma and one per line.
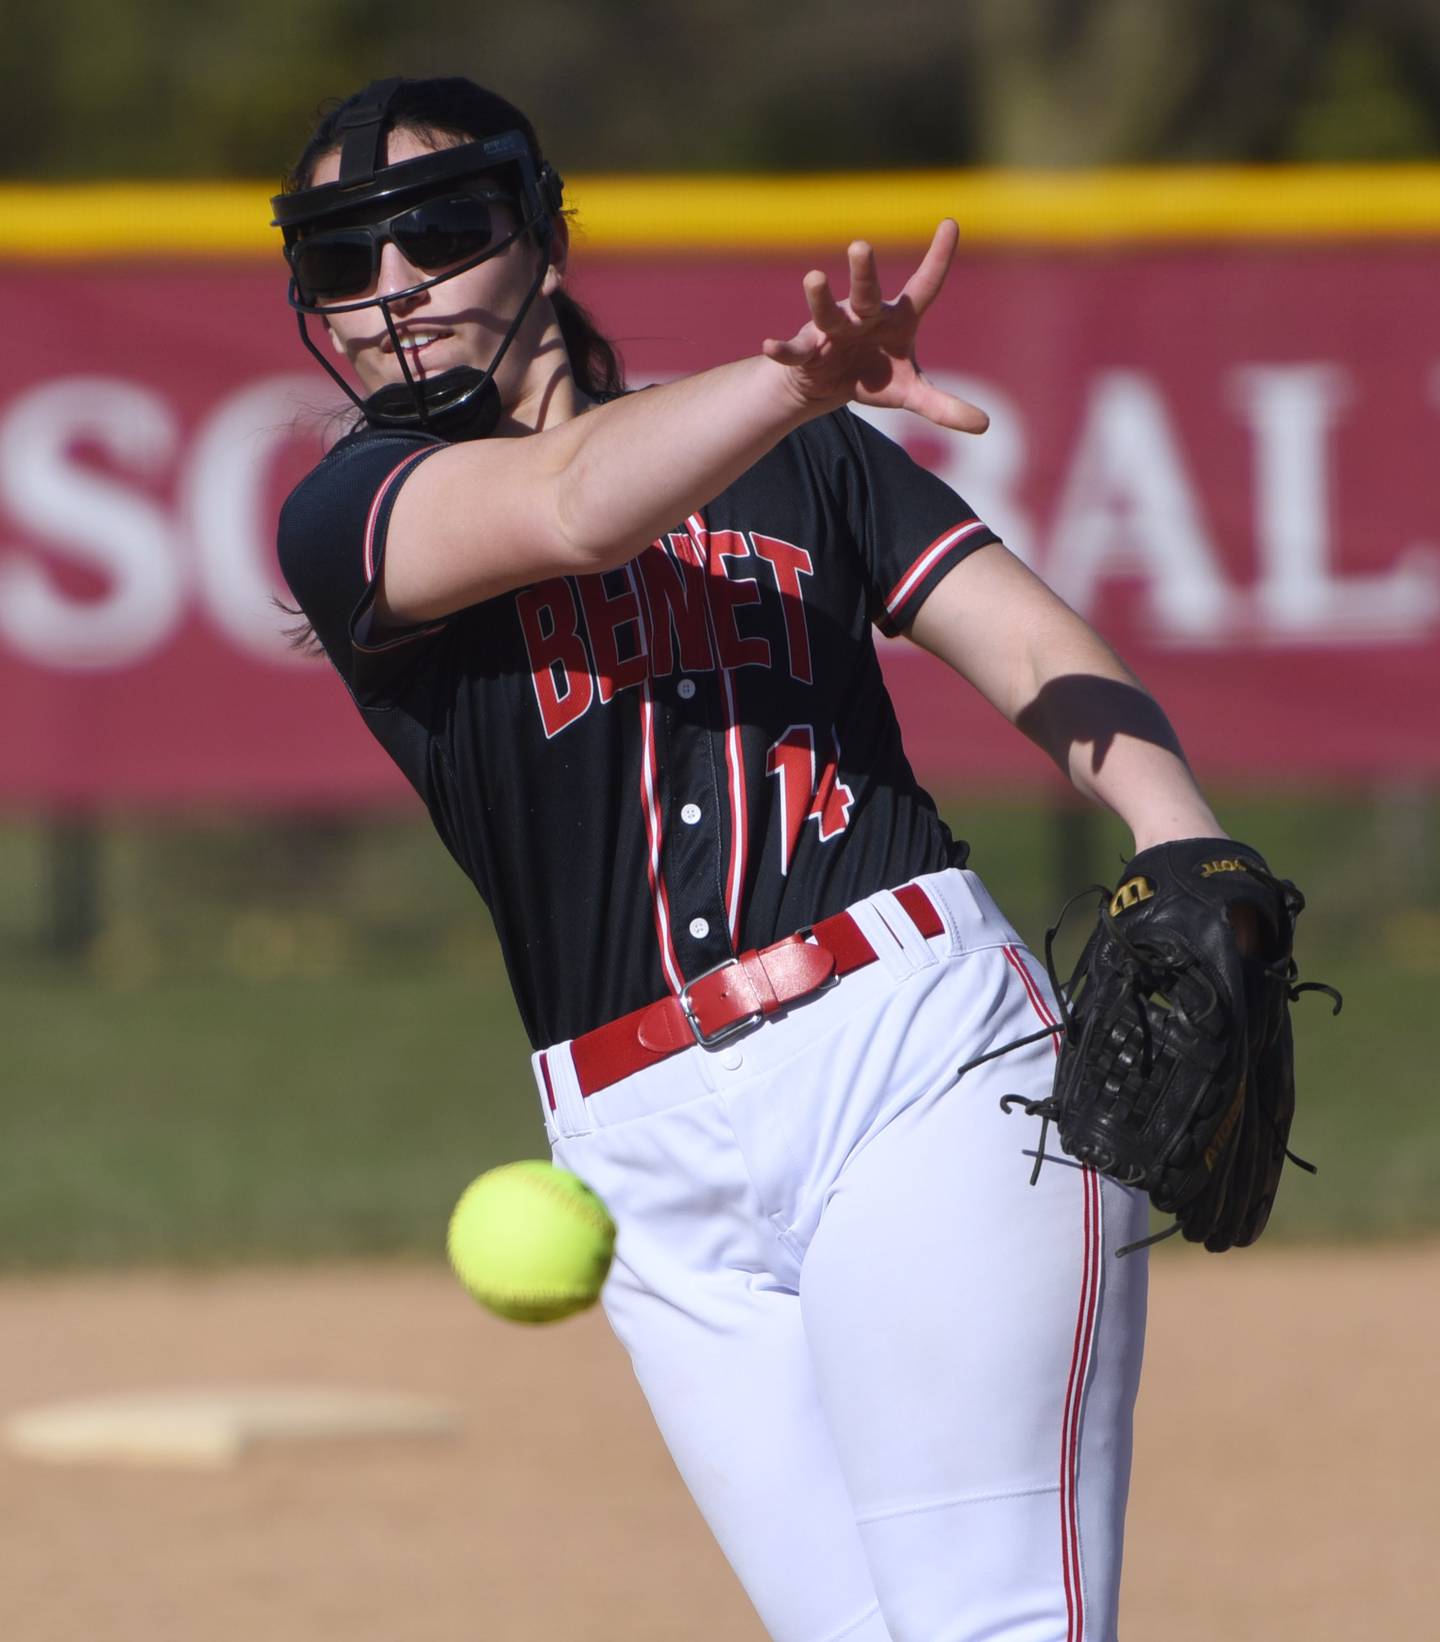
(863,348)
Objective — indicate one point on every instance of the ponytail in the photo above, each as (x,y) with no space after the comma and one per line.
(595,361)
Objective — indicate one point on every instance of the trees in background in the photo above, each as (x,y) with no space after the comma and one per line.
(196,88)
(1073,82)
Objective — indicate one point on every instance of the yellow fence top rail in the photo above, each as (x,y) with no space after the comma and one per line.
(714,213)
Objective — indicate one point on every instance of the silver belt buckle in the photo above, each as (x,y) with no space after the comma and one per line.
(707,1041)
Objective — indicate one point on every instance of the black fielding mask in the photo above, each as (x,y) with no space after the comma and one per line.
(362,146)
(461,403)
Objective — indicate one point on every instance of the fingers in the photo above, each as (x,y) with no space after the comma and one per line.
(866,297)
(946,410)
(825,312)
(924,284)
(798,350)
(865,300)
(864,348)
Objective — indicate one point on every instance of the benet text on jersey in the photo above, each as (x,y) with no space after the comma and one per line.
(694,601)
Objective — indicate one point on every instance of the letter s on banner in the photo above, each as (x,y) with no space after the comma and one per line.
(92,518)
(225,505)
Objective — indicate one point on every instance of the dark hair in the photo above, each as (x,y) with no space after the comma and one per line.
(454,107)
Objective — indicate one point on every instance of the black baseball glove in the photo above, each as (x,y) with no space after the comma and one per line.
(1176,1071)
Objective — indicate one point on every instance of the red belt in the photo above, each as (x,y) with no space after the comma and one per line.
(733,997)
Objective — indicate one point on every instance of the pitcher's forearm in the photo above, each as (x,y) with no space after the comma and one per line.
(587,492)
(1114,741)
(480,518)
(1147,784)
(635,467)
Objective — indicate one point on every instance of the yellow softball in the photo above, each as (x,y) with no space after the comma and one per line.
(531,1242)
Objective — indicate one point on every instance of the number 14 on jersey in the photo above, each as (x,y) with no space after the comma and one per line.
(807,793)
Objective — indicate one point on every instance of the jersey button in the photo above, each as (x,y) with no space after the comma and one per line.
(685,688)
(690,814)
(699,928)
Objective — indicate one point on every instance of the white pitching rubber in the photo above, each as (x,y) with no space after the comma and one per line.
(215,1426)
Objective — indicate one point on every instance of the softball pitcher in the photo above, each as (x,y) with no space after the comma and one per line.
(621,643)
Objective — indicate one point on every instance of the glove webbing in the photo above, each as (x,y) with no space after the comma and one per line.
(1047,1108)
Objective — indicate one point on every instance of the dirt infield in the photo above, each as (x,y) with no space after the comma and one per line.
(1281,1485)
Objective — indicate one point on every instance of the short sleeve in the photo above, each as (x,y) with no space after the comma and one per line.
(331,547)
(910,527)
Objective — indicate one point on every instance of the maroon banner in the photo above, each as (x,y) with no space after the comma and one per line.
(1221,457)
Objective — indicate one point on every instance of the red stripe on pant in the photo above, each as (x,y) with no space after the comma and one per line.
(1079,1356)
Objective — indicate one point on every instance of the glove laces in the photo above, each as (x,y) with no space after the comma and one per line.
(1047,1108)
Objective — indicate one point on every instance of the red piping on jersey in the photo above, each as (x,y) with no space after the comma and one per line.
(734,751)
(927,562)
(545,1073)
(1079,1357)
(369,556)
(659,900)
(739,810)
(380,496)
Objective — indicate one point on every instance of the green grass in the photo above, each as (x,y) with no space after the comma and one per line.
(299,1044)
(216,1120)
(1366,1112)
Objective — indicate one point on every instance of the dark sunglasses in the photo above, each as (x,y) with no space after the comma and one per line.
(333,263)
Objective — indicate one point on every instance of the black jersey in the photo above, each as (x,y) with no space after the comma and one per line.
(649,770)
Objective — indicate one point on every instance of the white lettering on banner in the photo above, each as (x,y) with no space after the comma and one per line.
(223,557)
(1290,410)
(1127,508)
(91,518)
(222,498)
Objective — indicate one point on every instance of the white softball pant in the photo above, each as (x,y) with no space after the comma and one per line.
(897,1378)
